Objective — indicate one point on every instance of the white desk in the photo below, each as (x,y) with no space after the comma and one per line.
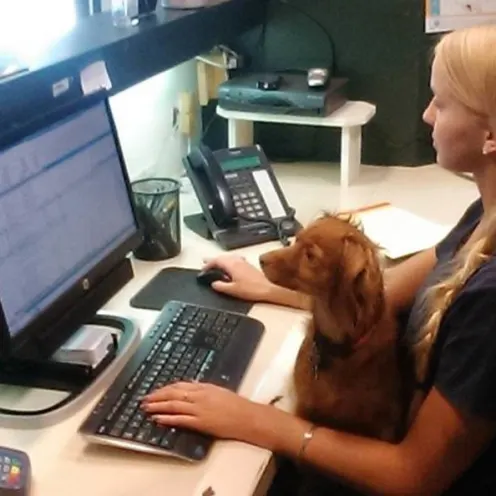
(65,465)
(350,118)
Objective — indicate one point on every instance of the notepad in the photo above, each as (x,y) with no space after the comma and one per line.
(398,232)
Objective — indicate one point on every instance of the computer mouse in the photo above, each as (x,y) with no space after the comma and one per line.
(208,276)
(317,77)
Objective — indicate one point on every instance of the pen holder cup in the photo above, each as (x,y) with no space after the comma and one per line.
(157,209)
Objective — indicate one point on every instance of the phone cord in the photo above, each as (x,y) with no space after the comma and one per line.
(278,225)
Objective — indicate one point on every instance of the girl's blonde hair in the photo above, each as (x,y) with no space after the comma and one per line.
(467,60)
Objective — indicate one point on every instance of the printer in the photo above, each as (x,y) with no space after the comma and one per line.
(292,95)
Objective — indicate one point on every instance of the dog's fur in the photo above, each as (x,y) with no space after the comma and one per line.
(347,374)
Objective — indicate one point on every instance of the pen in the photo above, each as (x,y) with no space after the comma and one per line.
(366,208)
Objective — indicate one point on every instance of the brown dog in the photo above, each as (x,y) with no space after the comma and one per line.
(347,374)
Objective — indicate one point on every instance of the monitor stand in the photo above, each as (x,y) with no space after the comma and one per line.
(71,377)
(80,381)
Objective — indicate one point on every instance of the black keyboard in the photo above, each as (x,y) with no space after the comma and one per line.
(186,342)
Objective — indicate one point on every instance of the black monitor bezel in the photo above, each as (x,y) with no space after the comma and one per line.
(22,342)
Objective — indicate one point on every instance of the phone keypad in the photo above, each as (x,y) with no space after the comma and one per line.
(246,196)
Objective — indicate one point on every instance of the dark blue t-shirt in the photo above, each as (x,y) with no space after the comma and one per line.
(463,361)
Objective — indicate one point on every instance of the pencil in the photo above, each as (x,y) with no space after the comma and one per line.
(366,208)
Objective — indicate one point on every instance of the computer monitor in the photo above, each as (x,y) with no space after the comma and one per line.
(67,224)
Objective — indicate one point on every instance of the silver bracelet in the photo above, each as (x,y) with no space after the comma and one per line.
(307,437)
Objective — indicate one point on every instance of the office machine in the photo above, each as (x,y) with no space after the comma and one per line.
(292,95)
(66,227)
(242,202)
(15,472)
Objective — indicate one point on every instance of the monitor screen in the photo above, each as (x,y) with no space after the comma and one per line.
(64,207)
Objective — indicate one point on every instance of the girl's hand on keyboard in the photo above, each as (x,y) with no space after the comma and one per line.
(209,409)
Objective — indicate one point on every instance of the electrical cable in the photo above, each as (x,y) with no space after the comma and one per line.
(260,44)
(282,230)
(43,411)
(212,119)
(322,28)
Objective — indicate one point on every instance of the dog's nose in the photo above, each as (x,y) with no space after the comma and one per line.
(261,260)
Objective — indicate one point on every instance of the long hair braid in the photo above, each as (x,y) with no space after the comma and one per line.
(440,296)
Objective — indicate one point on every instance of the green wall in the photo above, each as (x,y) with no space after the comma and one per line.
(380,45)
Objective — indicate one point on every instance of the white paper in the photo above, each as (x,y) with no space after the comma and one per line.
(278,378)
(94,77)
(400,233)
(447,15)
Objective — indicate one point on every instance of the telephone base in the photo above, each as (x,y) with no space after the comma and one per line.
(230,239)
(198,224)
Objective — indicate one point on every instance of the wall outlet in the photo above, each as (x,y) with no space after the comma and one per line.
(187,113)
(147,118)
(175,118)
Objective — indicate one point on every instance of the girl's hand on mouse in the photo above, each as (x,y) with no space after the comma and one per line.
(248,283)
(209,409)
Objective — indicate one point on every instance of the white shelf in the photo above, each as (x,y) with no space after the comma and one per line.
(352,113)
(350,118)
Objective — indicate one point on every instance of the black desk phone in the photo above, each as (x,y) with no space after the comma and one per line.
(240,197)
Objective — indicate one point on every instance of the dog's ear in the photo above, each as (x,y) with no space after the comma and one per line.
(363,276)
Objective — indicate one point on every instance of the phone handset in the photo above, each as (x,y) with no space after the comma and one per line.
(220,201)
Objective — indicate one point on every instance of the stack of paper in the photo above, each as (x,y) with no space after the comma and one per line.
(398,232)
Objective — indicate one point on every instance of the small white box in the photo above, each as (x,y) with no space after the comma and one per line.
(88,346)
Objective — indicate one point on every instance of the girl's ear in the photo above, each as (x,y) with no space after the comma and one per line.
(489,146)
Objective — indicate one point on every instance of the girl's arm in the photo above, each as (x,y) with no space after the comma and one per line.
(404,280)
(440,445)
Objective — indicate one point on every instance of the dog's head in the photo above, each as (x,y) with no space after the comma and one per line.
(335,263)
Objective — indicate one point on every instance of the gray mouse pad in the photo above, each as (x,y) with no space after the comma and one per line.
(175,283)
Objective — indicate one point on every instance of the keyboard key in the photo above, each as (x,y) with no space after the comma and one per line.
(156,435)
(169,438)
